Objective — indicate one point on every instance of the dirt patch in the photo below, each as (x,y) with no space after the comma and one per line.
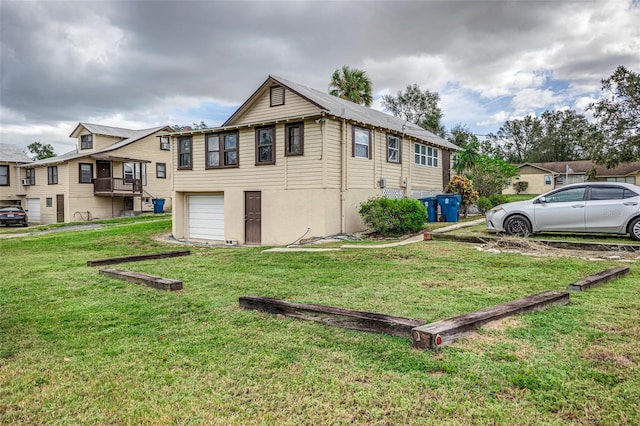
(535,248)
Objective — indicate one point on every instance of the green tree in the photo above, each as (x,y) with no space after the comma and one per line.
(194,126)
(564,135)
(461,136)
(41,151)
(491,175)
(418,107)
(351,84)
(517,139)
(618,119)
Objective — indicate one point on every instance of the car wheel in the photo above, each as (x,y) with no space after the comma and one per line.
(517,225)
(634,229)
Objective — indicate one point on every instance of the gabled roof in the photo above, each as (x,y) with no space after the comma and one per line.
(12,154)
(98,129)
(583,167)
(348,110)
(135,135)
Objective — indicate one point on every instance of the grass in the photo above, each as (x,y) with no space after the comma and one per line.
(77,347)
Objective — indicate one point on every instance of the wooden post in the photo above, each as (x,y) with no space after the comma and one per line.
(137,258)
(434,335)
(599,278)
(338,317)
(139,278)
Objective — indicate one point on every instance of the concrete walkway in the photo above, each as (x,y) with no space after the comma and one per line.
(410,240)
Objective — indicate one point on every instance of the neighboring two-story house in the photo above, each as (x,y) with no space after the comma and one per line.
(11,157)
(293,162)
(112,172)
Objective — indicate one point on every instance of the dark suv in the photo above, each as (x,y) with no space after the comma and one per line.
(13,215)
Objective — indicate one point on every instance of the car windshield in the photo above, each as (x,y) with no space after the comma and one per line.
(11,209)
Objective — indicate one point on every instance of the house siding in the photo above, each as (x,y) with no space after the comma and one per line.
(10,195)
(313,195)
(79,199)
(294,105)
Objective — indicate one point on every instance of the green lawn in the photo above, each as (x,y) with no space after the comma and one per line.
(77,347)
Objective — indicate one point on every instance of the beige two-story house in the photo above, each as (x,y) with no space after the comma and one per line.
(11,157)
(293,162)
(111,172)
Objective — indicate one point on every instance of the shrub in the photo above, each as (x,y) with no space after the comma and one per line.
(484,205)
(463,186)
(497,199)
(393,217)
(520,186)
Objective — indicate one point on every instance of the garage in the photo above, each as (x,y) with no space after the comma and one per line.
(206,217)
(33,205)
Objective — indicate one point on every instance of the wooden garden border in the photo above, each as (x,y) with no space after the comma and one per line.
(599,278)
(139,278)
(137,258)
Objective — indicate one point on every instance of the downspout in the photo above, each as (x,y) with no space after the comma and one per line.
(343,178)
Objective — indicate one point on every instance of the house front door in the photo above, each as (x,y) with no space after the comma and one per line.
(252,217)
(103,169)
(60,208)
(446,167)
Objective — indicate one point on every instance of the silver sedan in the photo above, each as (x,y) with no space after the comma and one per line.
(590,207)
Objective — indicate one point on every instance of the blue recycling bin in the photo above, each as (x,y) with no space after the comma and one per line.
(158,205)
(450,206)
(431,203)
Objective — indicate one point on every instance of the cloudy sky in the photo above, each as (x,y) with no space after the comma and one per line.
(139,64)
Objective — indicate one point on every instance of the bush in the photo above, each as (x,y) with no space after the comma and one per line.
(497,199)
(485,204)
(520,186)
(393,217)
(463,186)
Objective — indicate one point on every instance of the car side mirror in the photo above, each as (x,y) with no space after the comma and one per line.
(541,200)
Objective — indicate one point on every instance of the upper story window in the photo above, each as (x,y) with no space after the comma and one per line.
(393,148)
(161,170)
(425,155)
(52,175)
(86,142)
(361,142)
(185,154)
(221,150)
(85,173)
(265,145)
(4,176)
(276,96)
(31,176)
(165,143)
(294,139)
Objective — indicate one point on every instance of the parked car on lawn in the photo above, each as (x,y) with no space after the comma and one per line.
(13,215)
(590,207)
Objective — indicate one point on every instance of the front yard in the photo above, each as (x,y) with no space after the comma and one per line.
(77,347)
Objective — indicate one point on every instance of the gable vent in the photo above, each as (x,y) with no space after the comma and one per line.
(277,95)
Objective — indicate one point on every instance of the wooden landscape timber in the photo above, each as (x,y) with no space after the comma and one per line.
(137,258)
(338,317)
(599,278)
(569,245)
(139,278)
(437,334)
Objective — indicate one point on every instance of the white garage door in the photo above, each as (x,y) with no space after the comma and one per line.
(33,205)
(206,217)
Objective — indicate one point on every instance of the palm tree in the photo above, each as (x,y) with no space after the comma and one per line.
(351,84)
